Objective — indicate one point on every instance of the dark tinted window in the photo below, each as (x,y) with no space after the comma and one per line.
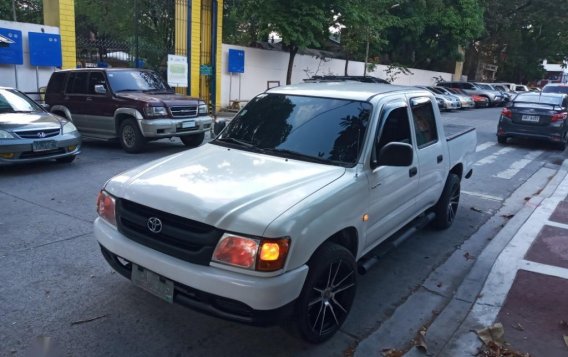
(94,79)
(122,81)
(57,82)
(424,122)
(530,98)
(395,129)
(79,84)
(309,128)
(555,89)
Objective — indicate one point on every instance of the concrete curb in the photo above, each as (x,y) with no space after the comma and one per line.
(452,318)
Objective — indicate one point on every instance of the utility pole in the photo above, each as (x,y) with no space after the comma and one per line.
(366,55)
(14,10)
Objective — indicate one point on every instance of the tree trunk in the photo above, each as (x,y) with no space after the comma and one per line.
(293,51)
(346,65)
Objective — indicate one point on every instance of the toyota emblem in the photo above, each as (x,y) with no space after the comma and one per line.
(41,134)
(154,224)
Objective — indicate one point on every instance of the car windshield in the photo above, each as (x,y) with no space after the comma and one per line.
(12,101)
(136,81)
(323,130)
(529,100)
(555,89)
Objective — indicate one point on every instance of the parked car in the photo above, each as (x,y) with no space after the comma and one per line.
(275,216)
(133,105)
(465,100)
(364,79)
(521,88)
(535,115)
(505,92)
(29,133)
(479,101)
(494,97)
(555,88)
(448,102)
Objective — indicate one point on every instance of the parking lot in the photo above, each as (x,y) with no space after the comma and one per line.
(58,289)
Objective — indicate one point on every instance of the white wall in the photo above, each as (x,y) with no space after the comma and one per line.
(27,79)
(264,65)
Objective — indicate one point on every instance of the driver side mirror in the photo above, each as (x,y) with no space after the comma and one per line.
(395,154)
(100,89)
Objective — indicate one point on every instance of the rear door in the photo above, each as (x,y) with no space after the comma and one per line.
(432,158)
(75,99)
(392,189)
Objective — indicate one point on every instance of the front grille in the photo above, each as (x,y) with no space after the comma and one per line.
(180,237)
(32,155)
(38,134)
(184,112)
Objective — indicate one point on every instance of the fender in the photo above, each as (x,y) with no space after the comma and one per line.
(62,108)
(130,112)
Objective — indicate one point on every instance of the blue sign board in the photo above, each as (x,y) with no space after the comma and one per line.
(13,54)
(236,61)
(45,49)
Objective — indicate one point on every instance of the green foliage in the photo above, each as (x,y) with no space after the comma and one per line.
(30,11)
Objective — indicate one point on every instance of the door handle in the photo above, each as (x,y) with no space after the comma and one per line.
(440,158)
(89,99)
(412,172)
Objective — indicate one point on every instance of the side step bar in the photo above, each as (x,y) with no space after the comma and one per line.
(368,261)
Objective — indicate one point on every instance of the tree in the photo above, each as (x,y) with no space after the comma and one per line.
(26,11)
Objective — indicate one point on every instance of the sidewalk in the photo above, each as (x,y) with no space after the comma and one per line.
(526,290)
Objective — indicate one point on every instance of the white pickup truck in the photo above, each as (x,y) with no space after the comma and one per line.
(274,218)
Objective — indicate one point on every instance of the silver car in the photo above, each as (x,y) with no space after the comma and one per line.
(465,100)
(29,133)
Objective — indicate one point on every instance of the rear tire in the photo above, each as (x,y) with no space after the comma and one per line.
(130,137)
(502,140)
(193,141)
(447,205)
(328,293)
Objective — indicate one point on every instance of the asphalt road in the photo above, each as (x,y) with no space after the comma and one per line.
(57,289)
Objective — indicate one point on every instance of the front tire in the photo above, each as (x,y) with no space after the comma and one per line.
(193,140)
(328,293)
(447,205)
(130,137)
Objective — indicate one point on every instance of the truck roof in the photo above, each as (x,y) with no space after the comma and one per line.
(342,90)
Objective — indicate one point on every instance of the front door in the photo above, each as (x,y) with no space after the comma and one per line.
(392,189)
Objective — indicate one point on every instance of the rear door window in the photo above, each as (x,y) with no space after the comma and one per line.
(79,85)
(57,82)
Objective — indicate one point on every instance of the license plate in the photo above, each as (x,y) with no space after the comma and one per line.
(153,283)
(188,124)
(44,145)
(531,118)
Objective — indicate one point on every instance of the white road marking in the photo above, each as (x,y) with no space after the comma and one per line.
(483,195)
(518,165)
(484,146)
(544,269)
(493,157)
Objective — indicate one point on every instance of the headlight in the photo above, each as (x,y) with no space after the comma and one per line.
(252,253)
(69,128)
(203,110)
(105,207)
(155,112)
(5,135)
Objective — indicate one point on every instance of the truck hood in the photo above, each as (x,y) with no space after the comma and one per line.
(157,98)
(230,189)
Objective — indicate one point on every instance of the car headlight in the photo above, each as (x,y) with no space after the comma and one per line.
(5,135)
(155,112)
(259,254)
(203,110)
(69,128)
(105,207)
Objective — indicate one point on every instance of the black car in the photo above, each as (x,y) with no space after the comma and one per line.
(535,115)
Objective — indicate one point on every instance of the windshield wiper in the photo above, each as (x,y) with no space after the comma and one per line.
(128,90)
(237,141)
(159,91)
(296,155)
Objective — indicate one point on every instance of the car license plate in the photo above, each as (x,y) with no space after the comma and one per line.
(531,118)
(153,283)
(188,124)
(44,145)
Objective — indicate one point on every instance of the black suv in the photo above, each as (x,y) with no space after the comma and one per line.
(133,105)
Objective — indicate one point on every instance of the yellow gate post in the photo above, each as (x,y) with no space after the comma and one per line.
(61,13)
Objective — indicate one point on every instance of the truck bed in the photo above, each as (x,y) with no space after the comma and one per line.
(462,141)
(455,130)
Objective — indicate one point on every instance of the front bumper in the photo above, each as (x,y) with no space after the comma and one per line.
(167,128)
(66,145)
(258,295)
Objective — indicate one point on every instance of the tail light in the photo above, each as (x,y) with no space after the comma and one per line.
(506,112)
(559,117)
(105,207)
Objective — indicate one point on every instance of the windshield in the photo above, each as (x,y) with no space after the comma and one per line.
(555,89)
(314,129)
(136,81)
(12,101)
